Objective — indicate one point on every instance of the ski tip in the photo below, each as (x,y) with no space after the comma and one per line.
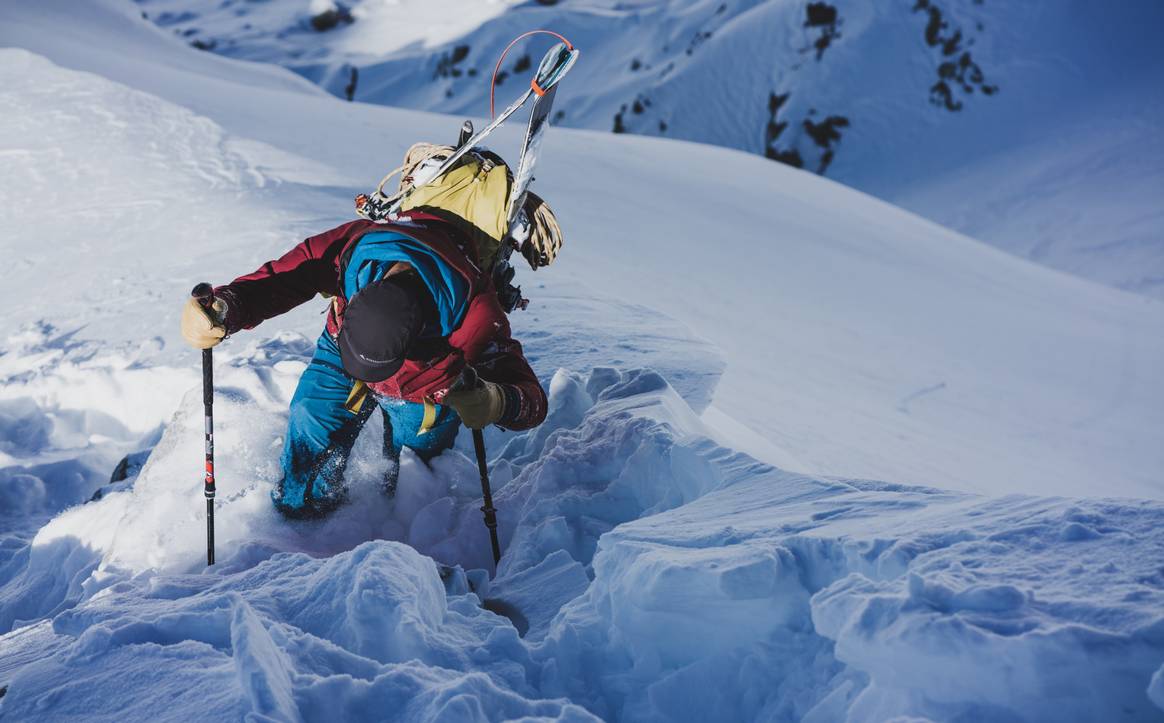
(554,66)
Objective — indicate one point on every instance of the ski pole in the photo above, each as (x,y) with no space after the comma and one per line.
(469,380)
(487,495)
(204,293)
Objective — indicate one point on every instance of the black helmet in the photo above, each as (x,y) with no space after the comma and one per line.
(379,325)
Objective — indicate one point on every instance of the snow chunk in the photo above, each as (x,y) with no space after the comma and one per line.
(366,633)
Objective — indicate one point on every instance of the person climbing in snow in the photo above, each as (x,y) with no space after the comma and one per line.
(411,307)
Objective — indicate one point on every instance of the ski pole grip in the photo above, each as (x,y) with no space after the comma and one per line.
(467,380)
(204,293)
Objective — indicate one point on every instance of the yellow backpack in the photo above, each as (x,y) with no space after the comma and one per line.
(473,195)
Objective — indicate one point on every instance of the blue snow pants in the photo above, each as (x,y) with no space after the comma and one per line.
(321,433)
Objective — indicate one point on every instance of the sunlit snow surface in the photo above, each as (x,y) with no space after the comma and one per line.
(656,573)
(1062,163)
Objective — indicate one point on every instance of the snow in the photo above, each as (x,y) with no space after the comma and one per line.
(929,596)
(733,359)
(366,634)
(1113,235)
(1041,374)
(1080,198)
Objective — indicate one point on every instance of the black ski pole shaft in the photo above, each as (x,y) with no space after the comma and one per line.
(487,495)
(469,380)
(204,293)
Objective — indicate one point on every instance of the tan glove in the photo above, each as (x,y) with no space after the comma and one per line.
(477,408)
(203,328)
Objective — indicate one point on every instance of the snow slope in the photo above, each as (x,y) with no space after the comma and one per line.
(853,339)
(755,594)
(1060,163)
(860,340)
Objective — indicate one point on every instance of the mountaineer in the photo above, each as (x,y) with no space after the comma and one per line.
(414,302)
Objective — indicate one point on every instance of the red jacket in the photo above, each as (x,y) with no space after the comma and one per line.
(482,340)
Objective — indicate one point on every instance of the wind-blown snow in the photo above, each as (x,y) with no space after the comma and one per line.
(650,570)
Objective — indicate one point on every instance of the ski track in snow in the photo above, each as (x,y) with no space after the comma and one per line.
(660,575)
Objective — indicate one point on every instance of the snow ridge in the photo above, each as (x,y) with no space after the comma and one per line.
(651,571)
(663,576)
(965,111)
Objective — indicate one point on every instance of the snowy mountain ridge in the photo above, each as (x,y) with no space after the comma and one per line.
(858,341)
(1014,123)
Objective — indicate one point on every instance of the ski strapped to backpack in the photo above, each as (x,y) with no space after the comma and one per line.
(475,190)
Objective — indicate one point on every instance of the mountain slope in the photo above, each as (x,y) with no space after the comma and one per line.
(851,334)
(948,107)
(860,339)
